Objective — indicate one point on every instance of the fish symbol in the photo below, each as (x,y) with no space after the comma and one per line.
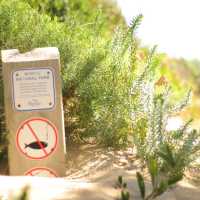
(36,145)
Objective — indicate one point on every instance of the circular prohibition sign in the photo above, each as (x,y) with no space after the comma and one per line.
(41,171)
(37,138)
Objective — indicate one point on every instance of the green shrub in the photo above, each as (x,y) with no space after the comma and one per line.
(105,92)
(82,11)
(105,84)
(55,8)
(23,28)
(97,71)
(166,154)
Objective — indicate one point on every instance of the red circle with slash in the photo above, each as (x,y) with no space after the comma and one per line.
(41,171)
(37,138)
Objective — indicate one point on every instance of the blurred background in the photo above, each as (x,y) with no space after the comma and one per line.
(170,24)
(173,26)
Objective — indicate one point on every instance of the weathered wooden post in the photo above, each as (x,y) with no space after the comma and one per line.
(34,112)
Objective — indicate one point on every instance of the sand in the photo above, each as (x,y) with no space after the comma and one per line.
(91,175)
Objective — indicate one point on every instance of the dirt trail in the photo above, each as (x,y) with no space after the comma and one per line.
(91,175)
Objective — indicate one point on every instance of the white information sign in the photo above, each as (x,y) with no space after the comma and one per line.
(33,89)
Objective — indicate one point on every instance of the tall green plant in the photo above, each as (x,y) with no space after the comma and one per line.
(166,153)
(106,91)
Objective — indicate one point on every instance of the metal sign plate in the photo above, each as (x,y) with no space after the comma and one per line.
(33,89)
(37,138)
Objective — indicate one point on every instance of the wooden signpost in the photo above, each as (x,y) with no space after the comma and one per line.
(34,112)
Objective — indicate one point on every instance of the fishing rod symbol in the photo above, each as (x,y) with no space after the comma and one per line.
(37,138)
(41,171)
(37,145)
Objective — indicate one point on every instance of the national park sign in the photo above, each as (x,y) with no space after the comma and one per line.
(34,112)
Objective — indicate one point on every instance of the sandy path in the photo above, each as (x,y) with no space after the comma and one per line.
(100,187)
(91,175)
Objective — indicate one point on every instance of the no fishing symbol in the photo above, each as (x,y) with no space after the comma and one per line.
(41,171)
(37,138)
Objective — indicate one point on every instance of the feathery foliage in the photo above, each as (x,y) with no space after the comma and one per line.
(97,72)
(166,153)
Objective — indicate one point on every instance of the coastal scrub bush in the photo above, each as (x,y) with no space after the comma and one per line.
(103,74)
(97,71)
(165,154)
